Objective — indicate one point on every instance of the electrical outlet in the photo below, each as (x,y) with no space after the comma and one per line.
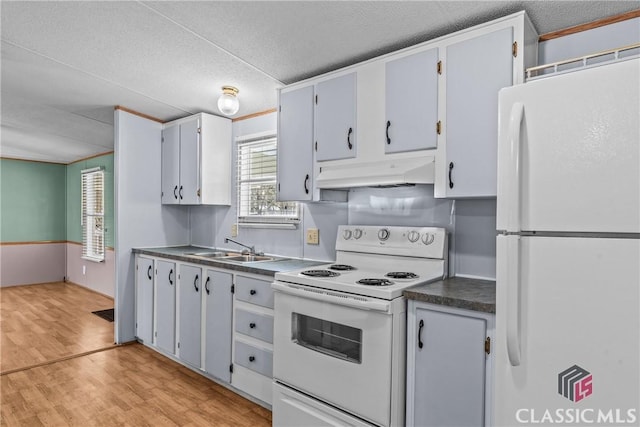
(234,230)
(313,237)
(84,270)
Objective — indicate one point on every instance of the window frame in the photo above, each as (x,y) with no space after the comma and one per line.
(257,220)
(93,244)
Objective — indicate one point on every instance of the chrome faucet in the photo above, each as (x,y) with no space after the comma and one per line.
(252,249)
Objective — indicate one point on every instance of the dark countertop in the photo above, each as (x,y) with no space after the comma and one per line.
(267,268)
(459,292)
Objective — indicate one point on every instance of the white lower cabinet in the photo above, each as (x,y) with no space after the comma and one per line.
(188,312)
(144,299)
(253,336)
(165,306)
(217,306)
(190,315)
(449,365)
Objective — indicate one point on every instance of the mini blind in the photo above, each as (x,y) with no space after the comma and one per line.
(93,214)
(257,171)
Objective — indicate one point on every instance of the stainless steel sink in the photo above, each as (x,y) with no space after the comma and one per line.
(249,258)
(214,254)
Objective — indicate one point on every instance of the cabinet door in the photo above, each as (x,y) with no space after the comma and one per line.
(166,305)
(190,163)
(336,118)
(217,307)
(190,285)
(144,299)
(295,145)
(476,70)
(449,369)
(171,165)
(411,100)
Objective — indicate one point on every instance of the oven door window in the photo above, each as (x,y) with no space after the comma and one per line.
(333,339)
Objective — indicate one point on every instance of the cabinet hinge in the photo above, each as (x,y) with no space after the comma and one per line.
(199,130)
(316,146)
(280,108)
(162,139)
(439,67)
(231,368)
(233,289)
(514,49)
(439,127)
(198,192)
(316,99)
(487,345)
(278,187)
(155,334)
(178,345)
(136,267)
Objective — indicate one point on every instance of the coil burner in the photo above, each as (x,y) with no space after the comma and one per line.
(320,273)
(375,282)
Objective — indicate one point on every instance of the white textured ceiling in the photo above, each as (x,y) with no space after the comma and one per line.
(65,65)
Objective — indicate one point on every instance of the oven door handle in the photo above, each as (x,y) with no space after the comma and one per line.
(315,294)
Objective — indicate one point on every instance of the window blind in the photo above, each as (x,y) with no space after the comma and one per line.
(257,172)
(93,214)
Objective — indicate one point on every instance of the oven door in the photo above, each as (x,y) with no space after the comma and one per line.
(333,347)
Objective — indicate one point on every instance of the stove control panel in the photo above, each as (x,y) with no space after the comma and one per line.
(428,242)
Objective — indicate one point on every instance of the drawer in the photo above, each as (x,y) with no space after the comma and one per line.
(254,358)
(255,325)
(255,291)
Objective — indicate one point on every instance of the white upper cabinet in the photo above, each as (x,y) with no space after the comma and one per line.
(295,145)
(196,161)
(475,66)
(411,102)
(170,165)
(336,118)
(476,69)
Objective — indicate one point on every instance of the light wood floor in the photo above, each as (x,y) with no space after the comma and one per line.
(128,385)
(40,323)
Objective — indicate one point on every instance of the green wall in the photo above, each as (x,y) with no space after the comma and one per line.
(74,227)
(32,201)
(41,201)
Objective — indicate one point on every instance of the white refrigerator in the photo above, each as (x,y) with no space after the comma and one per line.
(568,250)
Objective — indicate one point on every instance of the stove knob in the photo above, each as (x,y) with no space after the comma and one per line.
(428,238)
(383,234)
(413,236)
(346,234)
(357,233)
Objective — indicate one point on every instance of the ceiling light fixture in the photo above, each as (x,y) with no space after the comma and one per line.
(228,103)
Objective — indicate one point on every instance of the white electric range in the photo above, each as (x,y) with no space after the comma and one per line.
(339,328)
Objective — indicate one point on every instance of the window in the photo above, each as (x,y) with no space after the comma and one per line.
(93,214)
(257,168)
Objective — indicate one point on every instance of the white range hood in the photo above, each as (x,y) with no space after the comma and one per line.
(416,170)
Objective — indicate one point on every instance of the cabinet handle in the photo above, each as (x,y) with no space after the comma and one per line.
(306,180)
(420,326)
(388,126)
(149,273)
(206,285)
(180,192)
(252,291)
(349,138)
(195,283)
(450,173)
(252,358)
(170,279)
(252,325)
(174,192)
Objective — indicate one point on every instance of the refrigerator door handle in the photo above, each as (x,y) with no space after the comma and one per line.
(513,177)
(513,288)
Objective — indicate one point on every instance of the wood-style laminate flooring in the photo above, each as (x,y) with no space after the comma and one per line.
(41,323)
(129,385)
(59,367)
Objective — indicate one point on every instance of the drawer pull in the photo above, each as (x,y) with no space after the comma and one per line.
(252,358)
(252,292)
(252,325)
